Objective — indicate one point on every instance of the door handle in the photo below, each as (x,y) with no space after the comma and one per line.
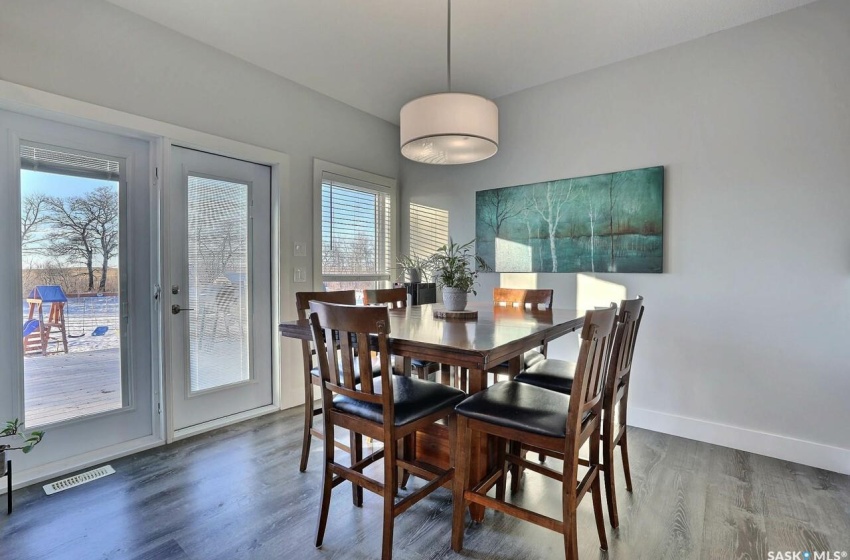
(175,309)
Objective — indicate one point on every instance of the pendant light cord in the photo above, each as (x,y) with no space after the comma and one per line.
(449,48)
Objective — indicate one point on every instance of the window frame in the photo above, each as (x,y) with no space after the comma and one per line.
(360,180)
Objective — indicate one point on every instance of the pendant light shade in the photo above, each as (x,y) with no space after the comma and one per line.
(449,129)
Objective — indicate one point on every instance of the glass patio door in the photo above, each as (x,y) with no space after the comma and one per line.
(76,261)
(219,288)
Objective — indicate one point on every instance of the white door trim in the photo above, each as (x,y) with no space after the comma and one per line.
(34,102)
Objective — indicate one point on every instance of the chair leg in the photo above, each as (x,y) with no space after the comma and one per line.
(624,449)
(501,444)
(445,374)
(463,441)
(596,490)
(570,532)
(356,442)
(308,427)
(390,489)
(516,471)
(608,470)
(409,451)
(327,488)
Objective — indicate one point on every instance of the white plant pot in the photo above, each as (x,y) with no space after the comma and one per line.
(414,275)
(454,299)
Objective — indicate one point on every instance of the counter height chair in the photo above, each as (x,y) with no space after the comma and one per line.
(311,373)
(546,421)
(559,375)
(535,299)
(387,408)
(396,298)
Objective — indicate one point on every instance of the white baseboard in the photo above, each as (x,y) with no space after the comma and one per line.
(79,462)
(808,453)
(183,433)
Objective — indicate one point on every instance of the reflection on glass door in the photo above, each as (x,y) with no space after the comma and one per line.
(219,234)
(72,288)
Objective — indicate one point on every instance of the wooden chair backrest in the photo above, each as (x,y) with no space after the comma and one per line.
(514,297)
(303,299)
(394,298)
(589,382)
(620,360)
(353,326)
(302,307)
(623,347)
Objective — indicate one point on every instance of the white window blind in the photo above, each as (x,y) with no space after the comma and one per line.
(356,231)
(429,229)
(66,162)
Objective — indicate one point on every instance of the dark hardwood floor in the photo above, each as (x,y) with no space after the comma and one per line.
(237,493)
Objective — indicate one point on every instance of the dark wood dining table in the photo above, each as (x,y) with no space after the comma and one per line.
(499,334)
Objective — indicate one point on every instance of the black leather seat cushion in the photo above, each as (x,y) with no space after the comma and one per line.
(414,399)
(555,375)
(519,406)
(529,358)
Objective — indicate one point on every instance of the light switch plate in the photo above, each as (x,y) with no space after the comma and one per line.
(299,276)
(299,249)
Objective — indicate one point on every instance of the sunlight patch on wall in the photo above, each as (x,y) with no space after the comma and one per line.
(592,292)
(511,255)
(519,280)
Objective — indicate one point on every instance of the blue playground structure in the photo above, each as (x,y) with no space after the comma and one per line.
(37,331)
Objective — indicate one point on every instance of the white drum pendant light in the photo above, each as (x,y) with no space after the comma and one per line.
(449,128)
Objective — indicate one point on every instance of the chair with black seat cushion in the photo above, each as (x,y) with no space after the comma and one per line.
(311,373)
(559,375)
(387,408)
(545,421)
(515,297)
(396,298)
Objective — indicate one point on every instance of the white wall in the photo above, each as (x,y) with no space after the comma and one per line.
(745,335)
(102,54)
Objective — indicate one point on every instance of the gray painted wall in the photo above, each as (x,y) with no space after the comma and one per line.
(99,53)
(748,326)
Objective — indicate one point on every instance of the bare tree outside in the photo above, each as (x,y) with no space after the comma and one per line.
(75,237)
(103,204)
(34,217)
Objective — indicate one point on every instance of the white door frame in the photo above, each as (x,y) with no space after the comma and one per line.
(34,102)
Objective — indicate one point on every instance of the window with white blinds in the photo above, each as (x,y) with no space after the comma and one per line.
(356,232)
(429,229)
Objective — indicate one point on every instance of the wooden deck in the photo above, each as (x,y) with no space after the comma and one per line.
(63,386)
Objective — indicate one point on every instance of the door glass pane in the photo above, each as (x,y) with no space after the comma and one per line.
(219,224)
(71,297)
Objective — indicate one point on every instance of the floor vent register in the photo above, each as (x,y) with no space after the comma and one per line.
(78,479)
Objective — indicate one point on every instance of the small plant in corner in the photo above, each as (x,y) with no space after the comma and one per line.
(412,267)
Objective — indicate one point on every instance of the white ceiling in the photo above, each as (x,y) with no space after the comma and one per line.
(376,55)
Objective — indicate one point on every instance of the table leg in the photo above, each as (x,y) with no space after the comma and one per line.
(477,467)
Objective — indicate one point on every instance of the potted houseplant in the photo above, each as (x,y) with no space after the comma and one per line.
(456,269)
(412,267)
(13,428)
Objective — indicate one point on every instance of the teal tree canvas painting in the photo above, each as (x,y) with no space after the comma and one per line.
(602,223)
